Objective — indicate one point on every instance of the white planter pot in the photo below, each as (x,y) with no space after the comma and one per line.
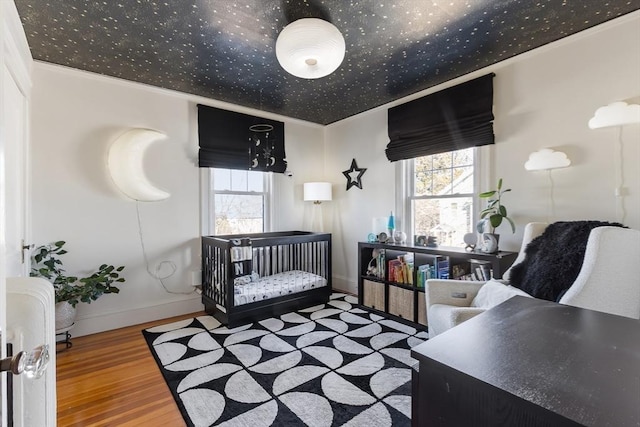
(65,316)
(489,242)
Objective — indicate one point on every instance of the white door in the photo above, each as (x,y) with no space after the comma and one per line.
(15,82)
(16,189)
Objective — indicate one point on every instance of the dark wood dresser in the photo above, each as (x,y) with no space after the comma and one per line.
(529,362)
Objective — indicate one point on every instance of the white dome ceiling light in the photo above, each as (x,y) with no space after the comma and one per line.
(310,48)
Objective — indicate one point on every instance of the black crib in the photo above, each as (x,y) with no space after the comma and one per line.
(299,261)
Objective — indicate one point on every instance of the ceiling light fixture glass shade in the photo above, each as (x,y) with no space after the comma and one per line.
(310,48)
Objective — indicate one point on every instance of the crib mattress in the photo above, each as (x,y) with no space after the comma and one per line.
(277,285)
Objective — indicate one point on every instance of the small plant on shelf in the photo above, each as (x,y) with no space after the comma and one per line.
(495,212)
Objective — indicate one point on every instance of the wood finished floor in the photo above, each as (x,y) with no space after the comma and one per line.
(111,379)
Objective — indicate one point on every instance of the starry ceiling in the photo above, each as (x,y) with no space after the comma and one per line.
(225,49)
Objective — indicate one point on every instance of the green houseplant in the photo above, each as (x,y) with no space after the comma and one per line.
(71,290)
(492,216)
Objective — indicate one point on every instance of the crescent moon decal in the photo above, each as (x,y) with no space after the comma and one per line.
(125,163)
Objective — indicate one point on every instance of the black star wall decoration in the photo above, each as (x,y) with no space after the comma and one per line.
(354,175)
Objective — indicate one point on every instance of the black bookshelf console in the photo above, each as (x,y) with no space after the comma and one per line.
(391,276)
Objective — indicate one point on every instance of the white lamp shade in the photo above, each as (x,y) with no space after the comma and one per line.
(615,114)
(310,48)
(317,191)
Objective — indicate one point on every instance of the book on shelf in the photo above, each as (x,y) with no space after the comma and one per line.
(481,270)
(393,270)
(381,264)
(487,272)
(424,273)
(400,269)
(436,268)
(442,267)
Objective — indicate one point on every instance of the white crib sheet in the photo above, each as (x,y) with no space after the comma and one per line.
(285,283)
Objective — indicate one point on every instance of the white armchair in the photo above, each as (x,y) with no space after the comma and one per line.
(609,280)
(449,301)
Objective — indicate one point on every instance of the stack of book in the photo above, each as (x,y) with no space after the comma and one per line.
(425,272)
(401,269)
(481,270)
(438,269)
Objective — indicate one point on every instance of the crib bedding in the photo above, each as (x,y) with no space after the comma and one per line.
(276,285)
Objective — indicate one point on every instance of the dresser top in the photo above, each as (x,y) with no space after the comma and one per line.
(581,364)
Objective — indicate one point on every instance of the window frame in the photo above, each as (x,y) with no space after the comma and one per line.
(208,192)
(405,176)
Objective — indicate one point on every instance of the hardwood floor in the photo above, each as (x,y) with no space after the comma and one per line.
(111,379)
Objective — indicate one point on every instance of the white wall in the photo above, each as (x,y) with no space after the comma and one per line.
(542,99)
(75,117)
(351,211)
(305,152)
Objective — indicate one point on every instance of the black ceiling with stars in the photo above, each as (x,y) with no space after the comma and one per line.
(225,49)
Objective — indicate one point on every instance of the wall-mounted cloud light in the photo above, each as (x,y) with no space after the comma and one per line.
(546,159)
(615,114)
(125,163)
(310,48)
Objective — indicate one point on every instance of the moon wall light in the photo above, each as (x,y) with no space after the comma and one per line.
(125,163)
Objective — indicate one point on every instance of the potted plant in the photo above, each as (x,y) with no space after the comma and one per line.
(491,218)
(71,290)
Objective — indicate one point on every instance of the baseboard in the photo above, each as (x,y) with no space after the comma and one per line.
(86,325)
(93,324)
(340,283)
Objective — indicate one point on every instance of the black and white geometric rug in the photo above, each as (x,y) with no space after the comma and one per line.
(330,365)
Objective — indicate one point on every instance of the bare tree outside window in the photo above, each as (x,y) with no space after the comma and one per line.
(442,197)
(239,201)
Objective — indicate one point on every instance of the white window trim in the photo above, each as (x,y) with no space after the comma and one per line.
(206,202)
(268,202)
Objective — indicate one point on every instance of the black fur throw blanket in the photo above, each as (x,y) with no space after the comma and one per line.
(554,259)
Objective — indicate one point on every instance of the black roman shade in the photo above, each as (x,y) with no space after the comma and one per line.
(452,119)
(233,140)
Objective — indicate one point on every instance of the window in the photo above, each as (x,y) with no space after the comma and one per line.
(239,201)
(440,195)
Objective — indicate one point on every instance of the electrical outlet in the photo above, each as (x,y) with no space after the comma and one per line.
(621,191)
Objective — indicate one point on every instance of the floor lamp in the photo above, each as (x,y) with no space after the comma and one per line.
(617,114)
(317,192)
(547,159)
